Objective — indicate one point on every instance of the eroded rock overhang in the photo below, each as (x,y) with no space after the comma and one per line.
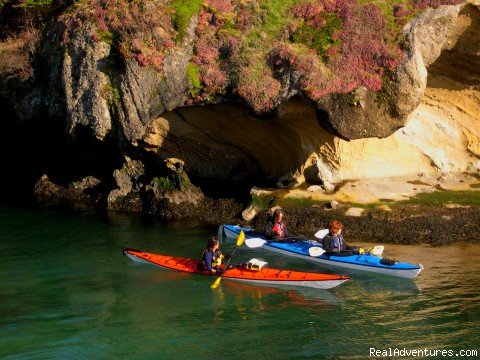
(427,127)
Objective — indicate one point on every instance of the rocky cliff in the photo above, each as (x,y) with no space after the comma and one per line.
(161,114)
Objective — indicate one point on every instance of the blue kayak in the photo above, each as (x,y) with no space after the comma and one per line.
(302,248)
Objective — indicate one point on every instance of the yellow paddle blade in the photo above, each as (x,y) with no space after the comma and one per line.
(216,283)
(240,238)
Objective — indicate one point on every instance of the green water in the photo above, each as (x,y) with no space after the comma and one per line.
(67,292)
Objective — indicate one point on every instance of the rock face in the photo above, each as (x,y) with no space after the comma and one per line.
(363,114)
(146,94)
(138,95)
(426,123)
(85,83)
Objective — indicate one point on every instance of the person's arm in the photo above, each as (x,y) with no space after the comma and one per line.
(343,243)
(335,244)
(287,233)
(268,230)
(327,243)
(208,261)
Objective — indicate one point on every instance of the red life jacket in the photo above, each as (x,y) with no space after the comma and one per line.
(279,229)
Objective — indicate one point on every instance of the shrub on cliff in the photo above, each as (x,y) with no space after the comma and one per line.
(142,30)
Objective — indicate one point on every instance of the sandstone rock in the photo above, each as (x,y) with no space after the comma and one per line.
(355,212)
(156,132)
(315,188)
(333,204)
(251,211)
(427,37)
(384,207)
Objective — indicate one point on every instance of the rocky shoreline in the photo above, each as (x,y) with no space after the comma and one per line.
(434,224)
(405,225)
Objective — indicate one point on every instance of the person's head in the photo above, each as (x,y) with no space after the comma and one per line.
(278,215)
(335,227)
(213,243)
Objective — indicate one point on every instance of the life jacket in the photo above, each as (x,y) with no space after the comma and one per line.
(216,258)
(330,242)
(279,229)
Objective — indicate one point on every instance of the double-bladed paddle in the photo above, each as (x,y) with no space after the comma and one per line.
(259,242)
(240,240)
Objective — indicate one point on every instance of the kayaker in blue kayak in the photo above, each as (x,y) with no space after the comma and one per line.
(212,257)
(275,228)
(334,242)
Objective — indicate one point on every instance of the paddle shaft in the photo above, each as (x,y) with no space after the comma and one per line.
(240,240)
(230,259)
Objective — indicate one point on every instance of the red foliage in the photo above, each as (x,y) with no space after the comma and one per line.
(312,14)
(364,52)
(244,19)
(222,6)
(208,48)
(140,30)
(259,91)
(307,11)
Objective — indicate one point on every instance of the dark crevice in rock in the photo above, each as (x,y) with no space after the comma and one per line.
(84,155)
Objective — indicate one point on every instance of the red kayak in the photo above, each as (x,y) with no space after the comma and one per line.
(260,276)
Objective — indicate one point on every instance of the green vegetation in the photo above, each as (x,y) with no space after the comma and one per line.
(184,10)
(261,202)
(193,78)
(163,183)
(446,197)
(320,39)
(32,3)
(106,36)
(436,198)
(111,94)
(274,16)
(300,202)
(27,3)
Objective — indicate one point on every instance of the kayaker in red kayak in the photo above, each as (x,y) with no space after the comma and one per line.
(212,257)
(275,228)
